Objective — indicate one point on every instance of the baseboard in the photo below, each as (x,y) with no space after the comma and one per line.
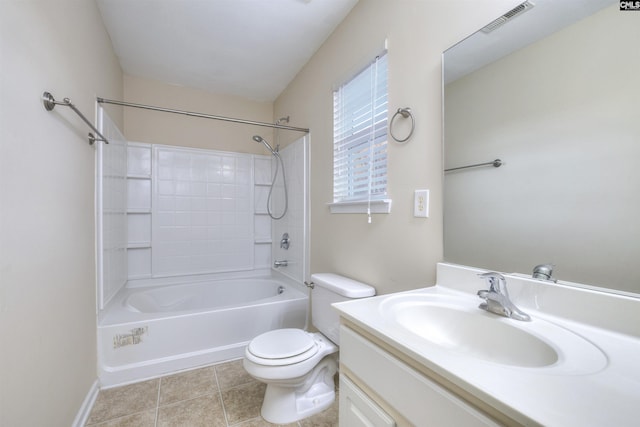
(87,405)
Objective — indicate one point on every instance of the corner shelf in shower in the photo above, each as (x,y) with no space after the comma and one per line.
(139,177)
(138,193)
(266,241)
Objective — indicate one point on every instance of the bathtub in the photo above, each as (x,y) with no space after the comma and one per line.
(151,331)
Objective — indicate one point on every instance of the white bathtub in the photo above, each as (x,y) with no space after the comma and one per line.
(151,331)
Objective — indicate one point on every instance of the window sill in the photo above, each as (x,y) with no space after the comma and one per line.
(377,207)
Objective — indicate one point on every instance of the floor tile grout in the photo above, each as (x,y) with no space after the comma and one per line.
(155,421)
(184,390)
(224,409)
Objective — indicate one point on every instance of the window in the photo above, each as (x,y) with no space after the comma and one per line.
(360,142)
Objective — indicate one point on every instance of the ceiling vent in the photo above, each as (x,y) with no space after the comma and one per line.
(516,11)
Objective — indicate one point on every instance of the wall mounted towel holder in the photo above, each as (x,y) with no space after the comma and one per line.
(495,163)
(405,113)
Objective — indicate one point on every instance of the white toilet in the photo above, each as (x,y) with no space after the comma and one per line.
(298,366)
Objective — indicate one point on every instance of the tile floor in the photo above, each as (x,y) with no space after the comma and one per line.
(222,395)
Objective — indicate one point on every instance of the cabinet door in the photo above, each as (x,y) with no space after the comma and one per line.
(358,410)
(420,400)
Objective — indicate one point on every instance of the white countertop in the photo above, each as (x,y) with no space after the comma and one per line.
(603,392)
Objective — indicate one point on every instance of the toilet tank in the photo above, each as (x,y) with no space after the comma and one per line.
(328,289)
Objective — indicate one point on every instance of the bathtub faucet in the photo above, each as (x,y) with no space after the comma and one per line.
(282,263)
(284,242)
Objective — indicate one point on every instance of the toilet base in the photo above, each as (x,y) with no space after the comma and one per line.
(285,404)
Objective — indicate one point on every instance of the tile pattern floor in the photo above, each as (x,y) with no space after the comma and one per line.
(222,395)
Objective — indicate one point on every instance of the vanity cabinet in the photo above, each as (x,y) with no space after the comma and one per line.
(396,393)
(357,409)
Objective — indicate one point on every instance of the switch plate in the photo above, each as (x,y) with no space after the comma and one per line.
(421,204)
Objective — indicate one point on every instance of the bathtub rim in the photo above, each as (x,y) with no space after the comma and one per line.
(115,312)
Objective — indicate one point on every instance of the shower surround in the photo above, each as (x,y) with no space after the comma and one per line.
(178,224)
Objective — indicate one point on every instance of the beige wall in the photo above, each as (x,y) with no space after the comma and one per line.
(562,114)
(47,245)
(173,129)
(397,251)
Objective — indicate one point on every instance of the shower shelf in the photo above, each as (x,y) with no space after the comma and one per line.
(262,184)
(263,241)
(138,176)
(139,211)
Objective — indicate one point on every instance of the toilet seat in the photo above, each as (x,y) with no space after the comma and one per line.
(282,347)
(299,367)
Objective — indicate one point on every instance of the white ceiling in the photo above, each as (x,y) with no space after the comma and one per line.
(248,48)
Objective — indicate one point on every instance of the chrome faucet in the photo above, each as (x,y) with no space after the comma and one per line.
(544,272)
(284,241)
(497,297)
(282,263)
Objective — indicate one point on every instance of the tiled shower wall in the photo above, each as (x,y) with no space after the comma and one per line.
(111,189)
(167,211)
(294,223)
(194,211)
(202,212)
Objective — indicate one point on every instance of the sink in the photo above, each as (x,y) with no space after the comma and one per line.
(457,325)
(475,334)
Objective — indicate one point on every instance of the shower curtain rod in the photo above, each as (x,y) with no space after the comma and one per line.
(201,115)
(49,104)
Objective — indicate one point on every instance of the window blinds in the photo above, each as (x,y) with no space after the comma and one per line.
(360,136)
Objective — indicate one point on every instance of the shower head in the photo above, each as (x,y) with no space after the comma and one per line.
(258,138)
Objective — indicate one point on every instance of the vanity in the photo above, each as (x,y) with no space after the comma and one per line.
(540,151)
(431,357)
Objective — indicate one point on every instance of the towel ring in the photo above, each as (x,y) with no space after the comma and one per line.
(404,112)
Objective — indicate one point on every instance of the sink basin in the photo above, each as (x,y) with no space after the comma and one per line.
(476,334)
(458,325)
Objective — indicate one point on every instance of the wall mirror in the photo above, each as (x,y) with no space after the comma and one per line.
(553,92)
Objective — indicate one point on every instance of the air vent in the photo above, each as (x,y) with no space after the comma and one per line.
(516,11)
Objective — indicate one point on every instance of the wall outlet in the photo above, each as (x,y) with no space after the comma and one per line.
(421,204)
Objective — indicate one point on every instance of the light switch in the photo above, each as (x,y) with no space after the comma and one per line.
(421,204)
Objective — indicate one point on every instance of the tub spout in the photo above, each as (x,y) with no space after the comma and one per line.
(282,263)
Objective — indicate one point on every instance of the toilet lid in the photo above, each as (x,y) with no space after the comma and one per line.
(283,344)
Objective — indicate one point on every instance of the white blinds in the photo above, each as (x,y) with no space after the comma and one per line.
(360,136)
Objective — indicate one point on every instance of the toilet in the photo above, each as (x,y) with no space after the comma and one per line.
(299,366)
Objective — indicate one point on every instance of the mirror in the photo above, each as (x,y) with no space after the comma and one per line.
(554,93)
